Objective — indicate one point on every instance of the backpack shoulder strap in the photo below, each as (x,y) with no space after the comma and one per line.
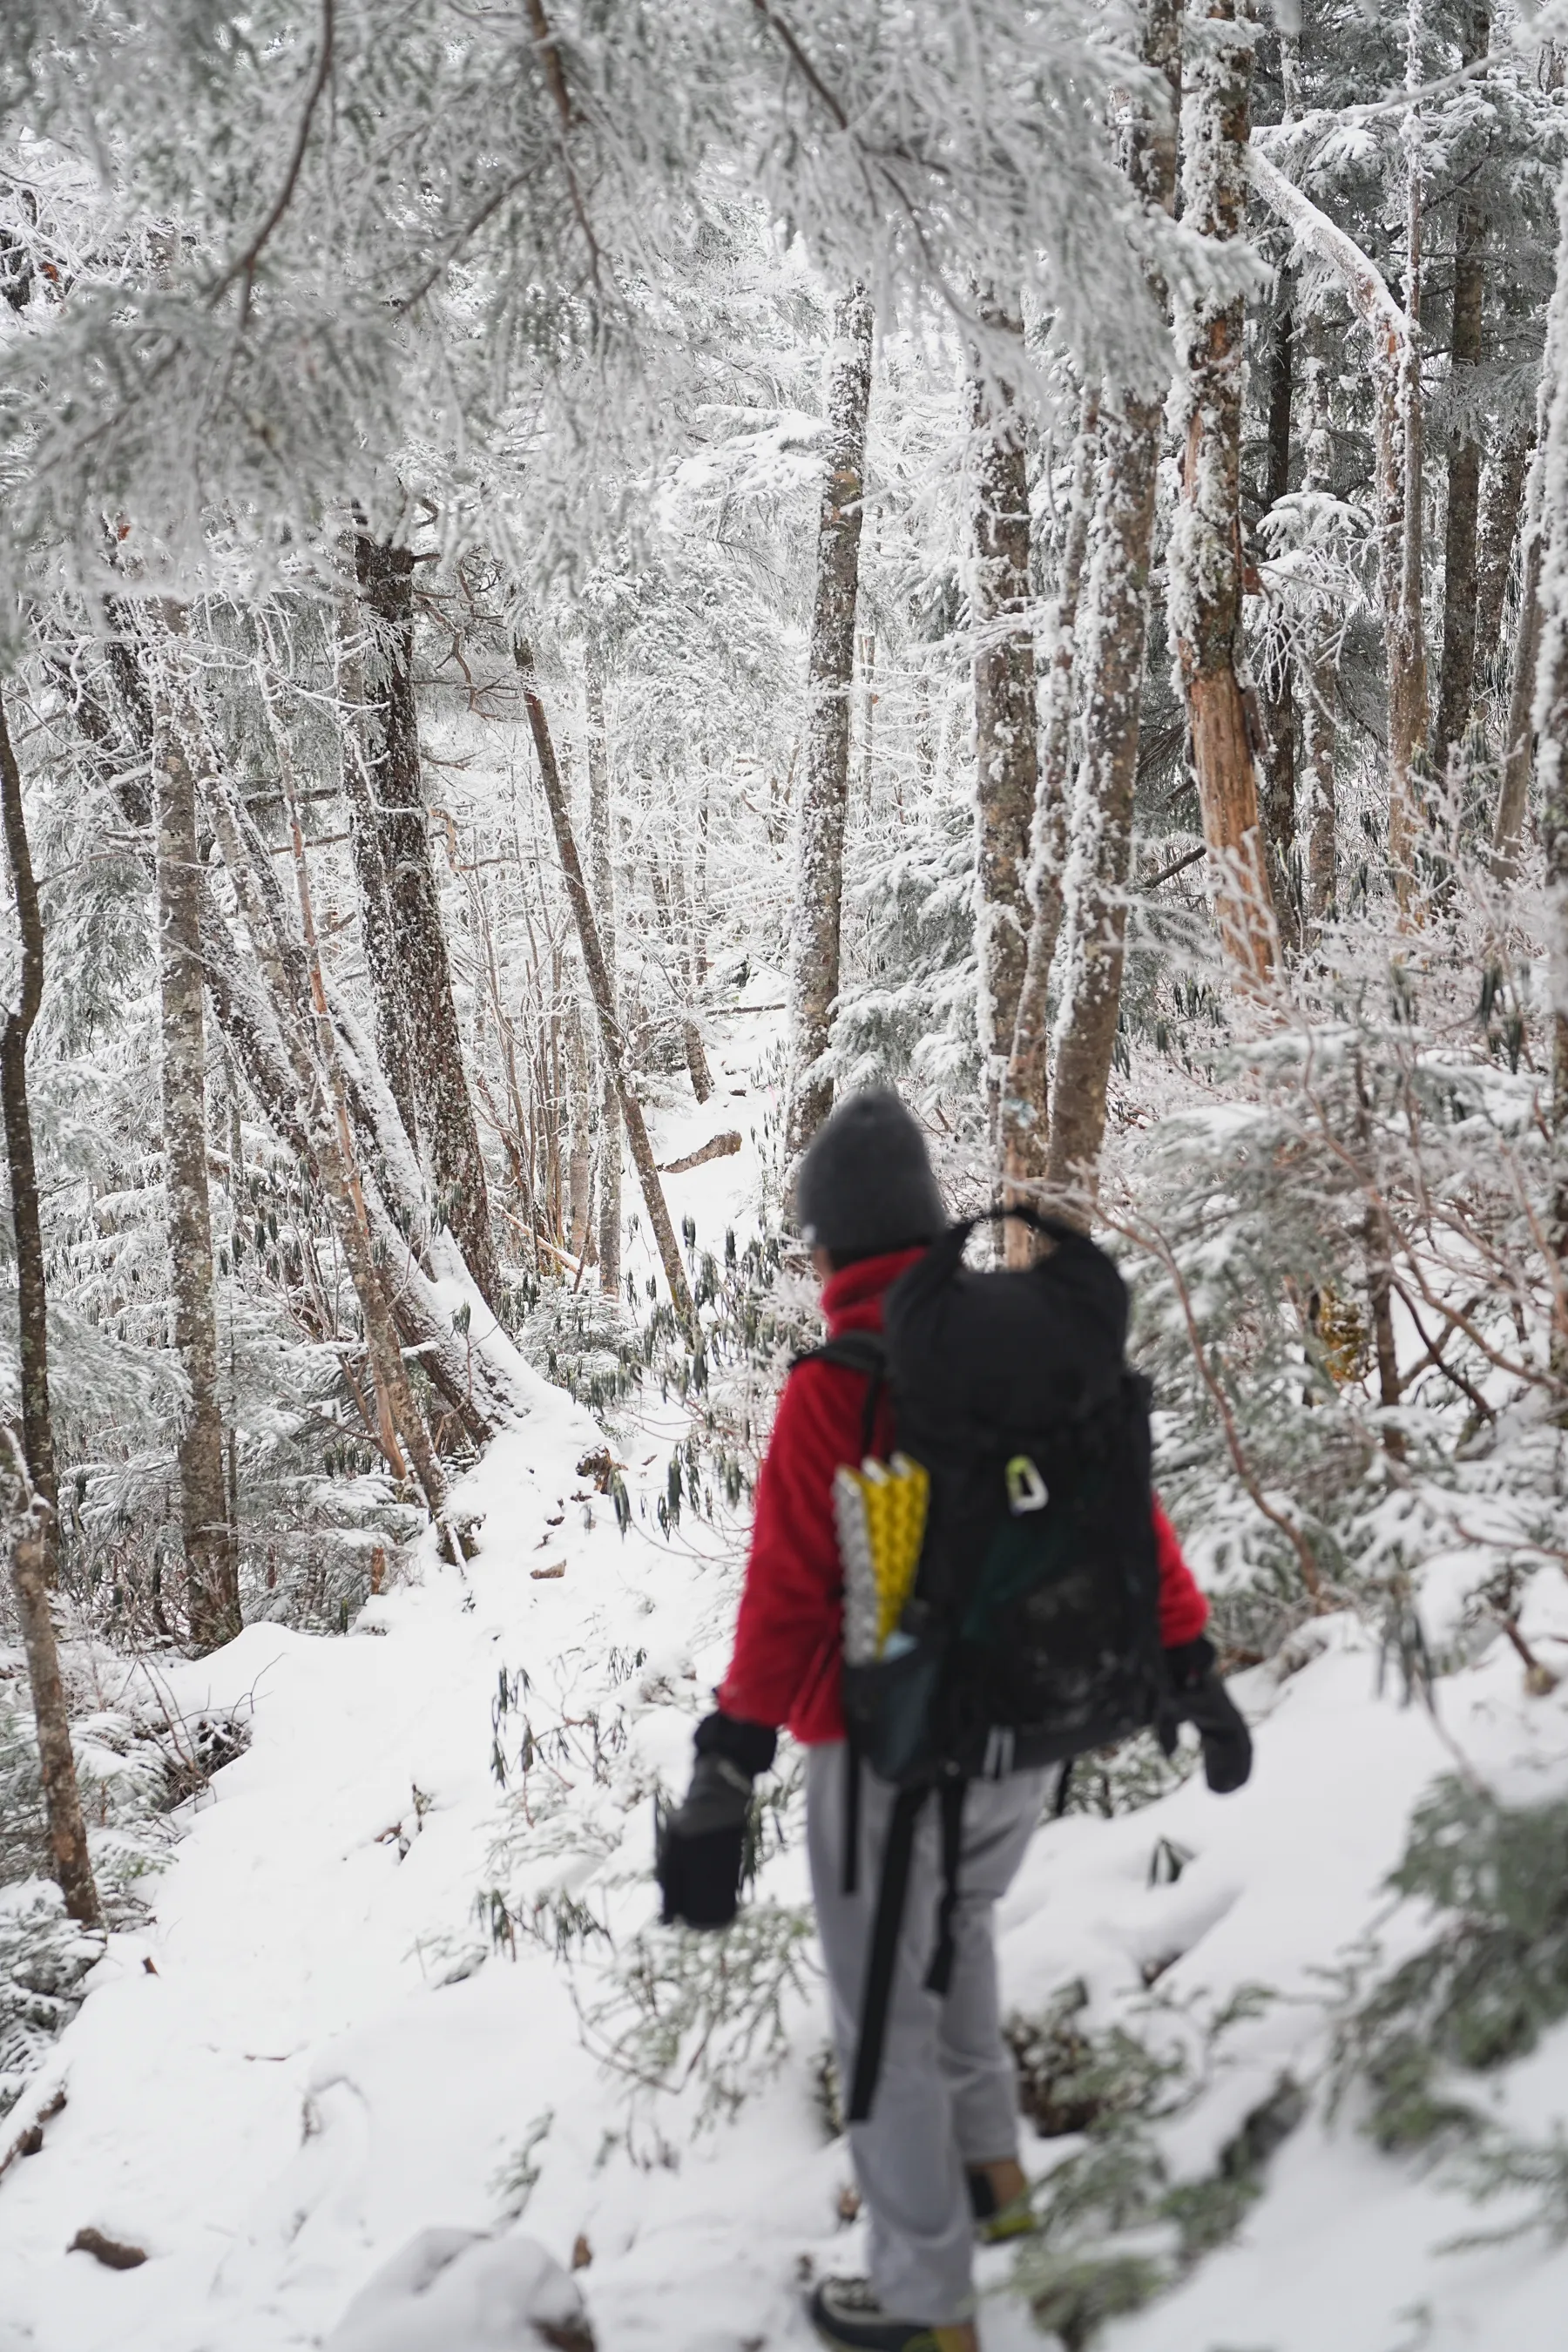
(864,1352)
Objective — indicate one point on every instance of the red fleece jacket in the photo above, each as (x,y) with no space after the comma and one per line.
(784,1668)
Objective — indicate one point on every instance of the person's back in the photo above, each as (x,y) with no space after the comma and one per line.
(936,2154)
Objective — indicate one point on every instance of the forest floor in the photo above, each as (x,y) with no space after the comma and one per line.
(309,2052)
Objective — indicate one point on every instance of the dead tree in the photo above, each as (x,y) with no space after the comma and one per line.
(420,971)
(610,1036)
(211,1549)
(1119,550)
(819,859)
(1205,563)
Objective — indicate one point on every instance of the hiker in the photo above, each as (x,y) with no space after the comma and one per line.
(905,1888)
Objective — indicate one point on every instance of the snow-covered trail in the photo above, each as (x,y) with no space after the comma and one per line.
(293,2094)
(281,2080)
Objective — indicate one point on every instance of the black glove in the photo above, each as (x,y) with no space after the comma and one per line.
(1201,1699)
(701,1846)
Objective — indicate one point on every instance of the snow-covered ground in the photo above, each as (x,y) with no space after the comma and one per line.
(302,2061)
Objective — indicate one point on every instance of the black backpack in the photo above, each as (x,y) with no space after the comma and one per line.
(1032,1632)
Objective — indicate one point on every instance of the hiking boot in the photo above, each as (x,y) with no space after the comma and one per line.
(847,2315)
(999,2215)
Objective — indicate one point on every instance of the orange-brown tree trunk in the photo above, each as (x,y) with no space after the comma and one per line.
(1205,572)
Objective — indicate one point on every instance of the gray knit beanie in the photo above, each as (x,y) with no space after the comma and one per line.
(864,1184)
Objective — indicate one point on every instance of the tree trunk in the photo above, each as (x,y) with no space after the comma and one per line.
(1402,550)
(32,1293)
(30,1517)
(378,929)
(1114,655)
(1024,1095)
(1551,713)
(1519,734)
(1277,806)
(819,860)
(448,1136)
(580,1152)
(1206,594)
(29,1471)
(603,1000)
(684,937)
(1455,678)
(1007,748)
(1502,499)
(600,851)
(212,1564)
(294,979)
(1396,375)
(1319,726)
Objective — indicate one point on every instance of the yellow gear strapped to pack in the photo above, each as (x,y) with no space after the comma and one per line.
(880,1511)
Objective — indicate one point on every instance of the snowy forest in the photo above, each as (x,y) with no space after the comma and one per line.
(578,581)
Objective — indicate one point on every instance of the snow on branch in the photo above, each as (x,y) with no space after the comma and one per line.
(1315,233)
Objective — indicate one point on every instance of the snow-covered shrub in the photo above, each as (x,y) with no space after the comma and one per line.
(1488,1984)
(677,2009)
(1342,1288)
(1114,2229)
(44,1958)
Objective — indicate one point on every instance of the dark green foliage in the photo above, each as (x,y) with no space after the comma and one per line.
(1072,2081)
(1114,2229)
(1489,1982)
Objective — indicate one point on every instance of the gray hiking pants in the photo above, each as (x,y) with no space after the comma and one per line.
(945,2097)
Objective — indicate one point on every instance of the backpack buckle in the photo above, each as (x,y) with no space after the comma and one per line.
(1001,1746)
(1026,1490)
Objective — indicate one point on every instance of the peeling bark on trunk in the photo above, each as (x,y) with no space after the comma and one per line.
(1114,668)
(1205,561)
(1007,748)
(209,1539)
(603,1002)
(1278,805)
(601,850)
(30,1516)
(1319,726)
(1025,1099)
(32,1290)
(819,858)
(448,1136)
